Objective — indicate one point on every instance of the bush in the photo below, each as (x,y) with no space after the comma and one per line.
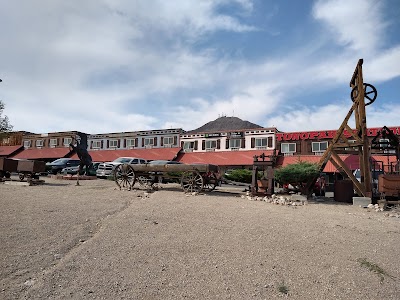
(296,174)
(239,175)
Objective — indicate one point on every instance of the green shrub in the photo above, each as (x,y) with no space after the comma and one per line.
(296,174)
(239,175)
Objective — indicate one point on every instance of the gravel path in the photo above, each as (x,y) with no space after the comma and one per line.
(61,241)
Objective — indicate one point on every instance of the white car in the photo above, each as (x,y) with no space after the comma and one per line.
(107,169)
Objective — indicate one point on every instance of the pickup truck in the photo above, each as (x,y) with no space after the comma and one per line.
(107,169)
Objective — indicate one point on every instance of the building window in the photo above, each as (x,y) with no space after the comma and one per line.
(384,143)
(351,148)
(39,143)
(113,143)
(319,146)
(67,141)
(130,143)
(189,146)
(96,144)
(53,142)
(149,141)
(288,148)
(168,140)
(234,143)
(211,144)
(261,143)
(27,143)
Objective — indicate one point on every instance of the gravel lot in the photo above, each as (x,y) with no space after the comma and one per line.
(61,241)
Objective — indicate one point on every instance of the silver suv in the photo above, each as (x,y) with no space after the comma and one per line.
(106,169)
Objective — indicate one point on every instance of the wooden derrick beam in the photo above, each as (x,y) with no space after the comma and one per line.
(339,164)
(340,141)
(361,125)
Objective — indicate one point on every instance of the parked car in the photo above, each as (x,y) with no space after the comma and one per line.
(106,169)
(74,170)
(56,166)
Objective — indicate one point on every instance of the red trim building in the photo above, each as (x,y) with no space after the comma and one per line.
(243,159)
(148,154)
(310,146)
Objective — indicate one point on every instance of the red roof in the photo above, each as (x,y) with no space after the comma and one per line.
(386,160)
(352,161)
(8,150)
(43,153)
(222,158)
(287,160)
(148,154)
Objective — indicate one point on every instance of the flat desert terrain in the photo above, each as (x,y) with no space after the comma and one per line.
(94,241)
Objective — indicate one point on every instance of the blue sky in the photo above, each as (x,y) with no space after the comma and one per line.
(115,65)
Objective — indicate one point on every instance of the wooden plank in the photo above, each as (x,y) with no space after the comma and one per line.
(357,185)
(175,168)
(356,137)
(353,78)
(344,145)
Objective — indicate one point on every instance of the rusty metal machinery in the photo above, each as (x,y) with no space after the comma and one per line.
(265,164)
(386,143)
(362,94)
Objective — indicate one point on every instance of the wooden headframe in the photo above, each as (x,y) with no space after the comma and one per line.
(340,142)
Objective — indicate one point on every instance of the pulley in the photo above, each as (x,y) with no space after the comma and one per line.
(370,93)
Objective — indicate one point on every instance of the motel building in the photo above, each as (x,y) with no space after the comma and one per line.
(151,145)
(46,146)
(160,144)
(228,142)
(309,146)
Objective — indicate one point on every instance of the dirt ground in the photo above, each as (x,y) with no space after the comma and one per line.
(61,241)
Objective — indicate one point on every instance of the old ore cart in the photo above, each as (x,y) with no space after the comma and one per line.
(193,177)
(31,169)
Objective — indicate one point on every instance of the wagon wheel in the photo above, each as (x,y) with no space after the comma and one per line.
(192,181)
(210,181)
(21,176)
(124,176)
(145,182)
(370,93)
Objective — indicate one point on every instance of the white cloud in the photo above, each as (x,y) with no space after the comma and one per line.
(332,116)
(385,66)
(358,24)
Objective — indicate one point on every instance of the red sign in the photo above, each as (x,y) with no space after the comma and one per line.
(326,134)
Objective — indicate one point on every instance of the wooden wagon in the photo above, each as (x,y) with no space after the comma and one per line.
(192,177)
(31,169)
(7,166)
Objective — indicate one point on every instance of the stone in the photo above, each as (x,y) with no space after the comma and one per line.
(363,201)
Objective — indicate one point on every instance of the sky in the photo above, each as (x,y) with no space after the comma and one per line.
(100,66)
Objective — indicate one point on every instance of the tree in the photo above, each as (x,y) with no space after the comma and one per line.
(297,174)
(5,126)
